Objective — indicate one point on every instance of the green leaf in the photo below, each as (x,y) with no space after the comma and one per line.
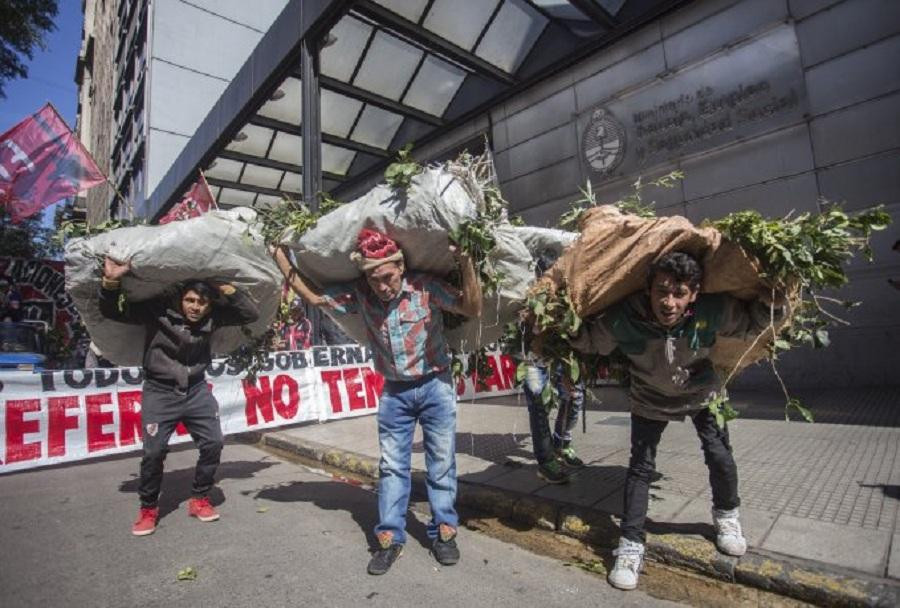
(547,394)
(186,574)
(782,344)
(796,405)
(521,372)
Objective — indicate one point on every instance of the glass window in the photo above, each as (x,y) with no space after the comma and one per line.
(511,36)
(388,66)
(251,140)
(612,6)
(340,59)
(225,168)
(287,106)
(410,9)
(561,9)
(336,159)
(434,86)
(292,182)
(288,148)
(338,112)
(376,127)
(231,196)
(265,177)
(266,200)
(459,21)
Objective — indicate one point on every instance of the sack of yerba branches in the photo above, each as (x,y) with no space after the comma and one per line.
(216,246)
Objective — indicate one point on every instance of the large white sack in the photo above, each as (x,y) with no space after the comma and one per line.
(419,219)
(537,240)
(214,246)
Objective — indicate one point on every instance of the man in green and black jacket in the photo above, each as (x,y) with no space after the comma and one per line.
(666,333)
(176,355)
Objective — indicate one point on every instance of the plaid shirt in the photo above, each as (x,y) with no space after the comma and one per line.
(407,333)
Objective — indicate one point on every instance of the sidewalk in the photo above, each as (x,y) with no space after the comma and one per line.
(820,501)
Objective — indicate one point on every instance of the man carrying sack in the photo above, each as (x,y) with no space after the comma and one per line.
(402,311)
(176,355)
(667,331)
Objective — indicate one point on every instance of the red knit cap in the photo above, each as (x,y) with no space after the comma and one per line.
(372,244)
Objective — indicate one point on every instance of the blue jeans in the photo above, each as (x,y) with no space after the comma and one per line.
(432,402)
(570,404)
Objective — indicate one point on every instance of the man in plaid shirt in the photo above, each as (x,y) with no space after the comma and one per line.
(403,314)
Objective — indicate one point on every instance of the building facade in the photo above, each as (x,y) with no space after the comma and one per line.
(148,72)
(773,105)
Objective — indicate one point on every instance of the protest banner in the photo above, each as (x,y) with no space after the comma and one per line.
(68,415)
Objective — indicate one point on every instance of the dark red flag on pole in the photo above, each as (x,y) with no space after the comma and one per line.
(198,200)
(41,163)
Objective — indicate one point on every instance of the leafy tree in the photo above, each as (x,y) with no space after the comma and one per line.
(23,24)
(29,238)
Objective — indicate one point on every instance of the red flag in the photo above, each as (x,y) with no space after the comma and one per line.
(198,200)
(41,163)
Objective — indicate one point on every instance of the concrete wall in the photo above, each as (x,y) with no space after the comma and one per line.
(840,141)
(196,48)
(97,75)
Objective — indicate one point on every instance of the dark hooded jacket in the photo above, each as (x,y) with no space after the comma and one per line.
(177,352)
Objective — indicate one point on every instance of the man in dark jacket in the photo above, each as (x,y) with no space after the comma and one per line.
(176,355)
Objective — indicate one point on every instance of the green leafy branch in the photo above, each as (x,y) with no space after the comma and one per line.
(70,229)
(632,203)
(291,215)
(399,174)
(475,237)
(804,254)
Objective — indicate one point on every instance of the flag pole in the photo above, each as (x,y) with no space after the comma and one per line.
(208,189)
(112,185)
(128,206)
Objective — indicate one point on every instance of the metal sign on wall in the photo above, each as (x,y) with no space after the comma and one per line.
(738,93)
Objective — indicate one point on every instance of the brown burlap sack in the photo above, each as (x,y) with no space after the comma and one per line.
(612,257)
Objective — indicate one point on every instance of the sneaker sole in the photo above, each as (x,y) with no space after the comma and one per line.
(142,532)
(553,481)
(206,519)
(622,587)
(729,553)
(380,572)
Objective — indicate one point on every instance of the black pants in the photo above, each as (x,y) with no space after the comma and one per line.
(645,436)
(162,408)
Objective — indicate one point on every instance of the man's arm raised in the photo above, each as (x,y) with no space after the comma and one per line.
(470,299)
(310,294)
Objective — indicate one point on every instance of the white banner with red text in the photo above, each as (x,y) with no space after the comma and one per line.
(67,415)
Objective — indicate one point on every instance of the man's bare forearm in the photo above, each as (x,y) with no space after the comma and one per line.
(470,305)
(298,283)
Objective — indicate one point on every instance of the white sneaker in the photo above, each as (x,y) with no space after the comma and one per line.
(629,558)
(729,538)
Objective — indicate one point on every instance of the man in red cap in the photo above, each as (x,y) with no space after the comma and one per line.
(403,314)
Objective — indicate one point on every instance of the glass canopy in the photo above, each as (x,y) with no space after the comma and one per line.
(398,71)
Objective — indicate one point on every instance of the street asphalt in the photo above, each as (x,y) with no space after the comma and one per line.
(288,536)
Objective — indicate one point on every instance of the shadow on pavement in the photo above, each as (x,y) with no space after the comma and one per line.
(890,491)
(176,485)
(360,503)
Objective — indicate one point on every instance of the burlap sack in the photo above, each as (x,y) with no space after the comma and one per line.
(219,245)
(612,259)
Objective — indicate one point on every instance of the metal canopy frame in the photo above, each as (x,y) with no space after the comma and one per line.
(247,140)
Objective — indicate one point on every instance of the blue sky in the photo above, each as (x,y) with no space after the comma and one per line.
(51,75)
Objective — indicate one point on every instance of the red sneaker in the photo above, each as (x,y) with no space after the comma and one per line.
(146,521)
(202,509)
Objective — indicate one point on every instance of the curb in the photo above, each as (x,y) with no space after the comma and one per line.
(804,580)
